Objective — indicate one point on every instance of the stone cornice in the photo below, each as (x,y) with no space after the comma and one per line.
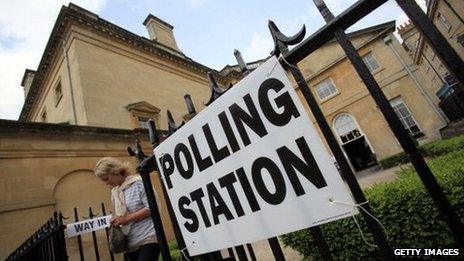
(16,127)
(77,16)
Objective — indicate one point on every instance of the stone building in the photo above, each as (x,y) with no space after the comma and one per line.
(355,119)
(96,82)
(447,16)
(92,73)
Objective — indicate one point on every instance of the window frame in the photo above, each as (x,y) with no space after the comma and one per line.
(368,62)
(57,99)
(444,22)
(328,79)
(143,109)
(43,115)
(401,118)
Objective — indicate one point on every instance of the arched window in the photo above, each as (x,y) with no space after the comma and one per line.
(346,128)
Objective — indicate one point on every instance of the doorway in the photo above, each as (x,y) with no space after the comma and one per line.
(354,142)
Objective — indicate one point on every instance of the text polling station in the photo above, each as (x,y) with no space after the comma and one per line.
(250,166)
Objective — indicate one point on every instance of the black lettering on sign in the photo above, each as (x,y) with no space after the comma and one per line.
(307,168)
(87,226)
(228,182)
(251,119)
(247,189)
(197,196)
(79,227)
(189,214)
(218,154)
(187,171)
(203,163)
(167,164)
(218,206)
(102,222)
(279,183)
(284,101)
(233,143)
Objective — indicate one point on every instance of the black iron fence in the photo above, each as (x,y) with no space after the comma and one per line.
(335,29)
(47,243)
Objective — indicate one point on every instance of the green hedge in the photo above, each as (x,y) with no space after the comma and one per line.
(404,208)
(174,251)
(432,149)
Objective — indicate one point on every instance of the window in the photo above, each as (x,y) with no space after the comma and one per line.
(405,116)
(461,39)
(325,89)
(370,62)
(58,94)
(43,117)
(346,128)
(444,22)
(141,112)
(143,122)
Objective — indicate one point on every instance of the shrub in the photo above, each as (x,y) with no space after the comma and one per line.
(431,149)
(394,160)
(404,208)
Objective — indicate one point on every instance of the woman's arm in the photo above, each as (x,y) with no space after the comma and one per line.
(128,218)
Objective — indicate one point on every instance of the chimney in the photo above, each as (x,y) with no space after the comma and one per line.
(26,82)
(160,32)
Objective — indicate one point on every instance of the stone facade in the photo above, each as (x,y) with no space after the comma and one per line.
(49,167)
(351,97)
(447,16)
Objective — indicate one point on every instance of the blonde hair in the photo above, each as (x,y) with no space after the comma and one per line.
(109,165)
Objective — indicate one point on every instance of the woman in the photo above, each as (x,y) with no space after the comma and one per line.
(131,209)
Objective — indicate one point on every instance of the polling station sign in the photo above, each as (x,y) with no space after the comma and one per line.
(87,226)
(250,166)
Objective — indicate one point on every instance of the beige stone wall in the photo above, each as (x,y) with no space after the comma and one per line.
(61,111)
(354,99)
(114,76)
(457,27)
(46,171)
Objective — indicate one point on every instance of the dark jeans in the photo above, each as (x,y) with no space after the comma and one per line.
(148,252)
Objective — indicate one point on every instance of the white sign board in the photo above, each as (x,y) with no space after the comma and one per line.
(86,226)
(250,166)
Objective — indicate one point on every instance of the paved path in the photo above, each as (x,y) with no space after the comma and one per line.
(367,178)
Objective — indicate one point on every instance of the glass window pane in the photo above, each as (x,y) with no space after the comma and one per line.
(325,88)
(405,116)
(370,62)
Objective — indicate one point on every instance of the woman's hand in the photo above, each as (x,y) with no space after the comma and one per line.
(119,220)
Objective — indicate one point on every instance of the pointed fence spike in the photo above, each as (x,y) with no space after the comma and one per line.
(216,92)
(189,103)
(241,63)
(281,41)
(171,123)
(154,139)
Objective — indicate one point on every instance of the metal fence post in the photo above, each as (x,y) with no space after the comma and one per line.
(281,42)
(79,238)
(94,237)
(62,239)
(424,172)
(107,232)
(152,201)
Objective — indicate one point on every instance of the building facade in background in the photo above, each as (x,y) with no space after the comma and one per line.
(348,107)
(447,16)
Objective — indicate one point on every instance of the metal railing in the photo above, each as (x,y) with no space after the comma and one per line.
(47,243)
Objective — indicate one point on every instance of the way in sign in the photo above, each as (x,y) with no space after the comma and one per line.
(86,226)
